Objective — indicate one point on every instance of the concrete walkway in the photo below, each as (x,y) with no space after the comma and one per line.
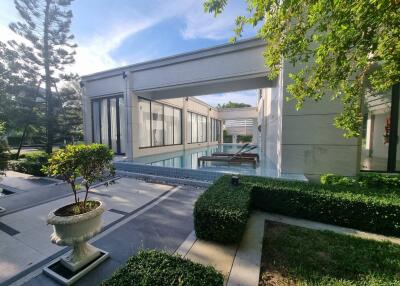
(140,215)
(29,191)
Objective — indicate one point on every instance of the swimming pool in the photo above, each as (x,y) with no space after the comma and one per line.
(188,160)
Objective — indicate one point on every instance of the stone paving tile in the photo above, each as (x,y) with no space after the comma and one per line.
(164,226)
(33,238)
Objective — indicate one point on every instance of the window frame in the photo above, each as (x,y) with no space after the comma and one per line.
(199,119)
(163,121)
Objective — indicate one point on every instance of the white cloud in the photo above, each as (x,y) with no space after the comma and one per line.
(246,96)
(199,24)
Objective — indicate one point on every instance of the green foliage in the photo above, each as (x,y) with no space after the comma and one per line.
(91,162)
(308,257)
(341,49)
(221,213)
(332,179)
(364,180)
(338,205)
(45,26)
(152,267)
(3,149)
(245,138)
(231,104)
(30,163)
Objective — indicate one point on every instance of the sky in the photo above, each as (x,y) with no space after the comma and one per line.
(112,33)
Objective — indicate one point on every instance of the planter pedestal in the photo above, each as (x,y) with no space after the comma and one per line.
(82,254)
(75,231)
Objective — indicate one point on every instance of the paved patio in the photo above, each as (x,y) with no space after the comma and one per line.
(139,215)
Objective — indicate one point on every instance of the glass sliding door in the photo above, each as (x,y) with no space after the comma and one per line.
(144,123)
(177,126)
(121,124)
(379,147)
(157,124)
(189,127)
(168,125)
(96,124)
(108,120)
(113,124)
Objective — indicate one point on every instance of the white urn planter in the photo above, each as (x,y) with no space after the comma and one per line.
(75,231)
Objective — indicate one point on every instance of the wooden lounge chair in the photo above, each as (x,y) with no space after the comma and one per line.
(236,158)
(241,153)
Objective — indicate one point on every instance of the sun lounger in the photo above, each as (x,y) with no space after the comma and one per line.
(236,158)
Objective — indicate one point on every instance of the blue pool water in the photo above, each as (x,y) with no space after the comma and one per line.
(188,160)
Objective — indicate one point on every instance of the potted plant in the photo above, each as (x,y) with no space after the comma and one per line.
(76,223)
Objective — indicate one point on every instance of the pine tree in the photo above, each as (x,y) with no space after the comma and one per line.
(45,26)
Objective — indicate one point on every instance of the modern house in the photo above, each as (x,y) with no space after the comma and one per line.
(149,108)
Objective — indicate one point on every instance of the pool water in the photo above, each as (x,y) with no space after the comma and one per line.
(188,160)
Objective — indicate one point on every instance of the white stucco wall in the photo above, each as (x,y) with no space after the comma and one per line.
(311,144)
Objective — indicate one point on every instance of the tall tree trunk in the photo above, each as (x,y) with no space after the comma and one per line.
(49,99)
(22,141)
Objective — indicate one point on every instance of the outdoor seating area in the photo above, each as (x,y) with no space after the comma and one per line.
(240,157)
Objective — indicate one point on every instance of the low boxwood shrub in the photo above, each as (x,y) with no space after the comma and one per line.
(221,212)
(30,163)
(364,180)
(339,206)
(152,267)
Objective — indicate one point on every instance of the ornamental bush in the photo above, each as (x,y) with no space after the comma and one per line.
(221,213)
(153,267)
(364,180)
(30,163)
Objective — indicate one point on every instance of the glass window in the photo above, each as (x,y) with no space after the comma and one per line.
(204,129)
(113,124)
(200,128)
(177,126)
(157,124)
(96,121)
(375,133)
(194,128)
(168,125)
(122,123)
(104,122)
(144,123)
(189,127)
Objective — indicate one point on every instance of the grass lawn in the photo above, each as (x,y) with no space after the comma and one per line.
(298,256)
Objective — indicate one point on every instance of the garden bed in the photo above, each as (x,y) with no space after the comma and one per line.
(221,213)
(152,267)
(298,256)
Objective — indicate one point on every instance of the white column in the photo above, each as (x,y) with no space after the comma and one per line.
(87,116)
(128,116)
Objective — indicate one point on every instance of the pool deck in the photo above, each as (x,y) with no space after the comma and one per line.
(139,215)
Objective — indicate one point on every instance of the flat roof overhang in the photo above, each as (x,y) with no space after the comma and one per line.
(223,68)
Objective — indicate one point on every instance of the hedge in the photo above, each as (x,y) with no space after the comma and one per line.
(30,163)
(364,209)
(153,267)
(364,180)
(221,213)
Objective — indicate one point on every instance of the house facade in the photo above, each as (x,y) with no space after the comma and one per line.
(149,108)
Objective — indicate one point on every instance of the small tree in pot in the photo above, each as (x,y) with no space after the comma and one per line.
(76,223)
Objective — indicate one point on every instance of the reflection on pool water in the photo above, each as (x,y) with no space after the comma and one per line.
(188,160)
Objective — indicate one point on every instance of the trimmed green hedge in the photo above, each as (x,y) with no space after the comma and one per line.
(152,267)
(30,163)
(221,213)
(364,180)
(350,206)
